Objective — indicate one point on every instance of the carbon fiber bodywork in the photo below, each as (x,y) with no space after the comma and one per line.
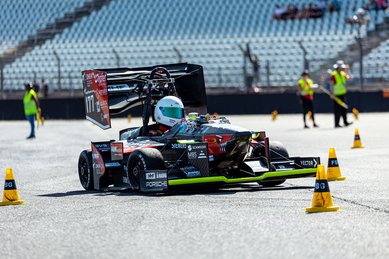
(201,149)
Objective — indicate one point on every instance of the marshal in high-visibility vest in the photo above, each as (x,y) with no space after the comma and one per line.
(306,87)
(339,78)
(340,82)
(30,107)
(305,91)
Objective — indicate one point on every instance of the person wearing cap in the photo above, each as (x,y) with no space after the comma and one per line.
(305,91)
(338,86)
(31,107)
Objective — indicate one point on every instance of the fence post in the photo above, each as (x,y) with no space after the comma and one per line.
(59,69)
(220,77)
(70,84)
(306,62)
(268,73)
(179,55)
(34,77)
(1,76)
(117,57)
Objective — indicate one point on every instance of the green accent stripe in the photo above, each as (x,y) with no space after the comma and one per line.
(265,176)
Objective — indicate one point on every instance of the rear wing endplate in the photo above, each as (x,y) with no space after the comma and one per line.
(96,98)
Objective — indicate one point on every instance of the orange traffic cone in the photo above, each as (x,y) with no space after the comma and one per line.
(310,116)
(357,140)
(322,199)
(11,196)
(355,113)
(333,169)
(274,115)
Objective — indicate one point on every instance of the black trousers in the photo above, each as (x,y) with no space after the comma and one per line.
(340,111)
(307,106)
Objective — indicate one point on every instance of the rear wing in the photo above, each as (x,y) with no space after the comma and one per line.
(115,90)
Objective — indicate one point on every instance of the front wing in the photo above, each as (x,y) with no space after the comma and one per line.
(156,181)
(287,174)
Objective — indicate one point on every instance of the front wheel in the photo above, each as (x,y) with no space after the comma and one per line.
(271,183)
(85,170)
(277,152)
(143,159)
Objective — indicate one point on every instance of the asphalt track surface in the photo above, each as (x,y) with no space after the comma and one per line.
(61,220)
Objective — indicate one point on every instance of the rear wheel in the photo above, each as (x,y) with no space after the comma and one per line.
(85,170)
(277,152)
(143,159)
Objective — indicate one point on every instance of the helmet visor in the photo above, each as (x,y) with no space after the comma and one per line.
(173,112)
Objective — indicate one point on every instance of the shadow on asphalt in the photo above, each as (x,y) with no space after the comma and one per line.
(189,190)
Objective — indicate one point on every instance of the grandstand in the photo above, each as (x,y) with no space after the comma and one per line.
(20,18)
(144,32)
(376,64)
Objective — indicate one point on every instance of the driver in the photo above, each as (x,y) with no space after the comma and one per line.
(168,112)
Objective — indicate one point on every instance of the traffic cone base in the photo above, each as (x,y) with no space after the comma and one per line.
(10,196)
(6,203)
(333,169)
(340,178)
(322,199)
(322,209)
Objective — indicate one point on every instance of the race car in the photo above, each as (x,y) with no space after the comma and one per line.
(198,148)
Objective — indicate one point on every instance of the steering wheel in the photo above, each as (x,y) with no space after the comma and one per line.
(161,72)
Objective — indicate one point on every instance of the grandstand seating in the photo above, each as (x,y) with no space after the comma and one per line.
(145,32)
(21,18)
(375,64)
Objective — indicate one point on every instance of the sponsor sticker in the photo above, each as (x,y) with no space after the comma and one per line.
(198,157)
(116,151)
(153,181)
(150,176)
(112,164)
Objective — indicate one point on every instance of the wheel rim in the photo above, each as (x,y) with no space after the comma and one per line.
(83,165)
(135,169)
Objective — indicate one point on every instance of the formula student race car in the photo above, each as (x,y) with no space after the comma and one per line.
(200,149)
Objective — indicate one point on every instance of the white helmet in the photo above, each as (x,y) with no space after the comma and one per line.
(169,111)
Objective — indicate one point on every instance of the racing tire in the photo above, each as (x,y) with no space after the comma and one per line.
(143,159)
(277,152)
(271,183)
(85,170)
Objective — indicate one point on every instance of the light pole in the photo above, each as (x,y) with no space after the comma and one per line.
(360,45)
(360,18)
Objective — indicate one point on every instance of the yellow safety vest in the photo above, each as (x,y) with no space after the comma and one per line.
(340,85)
(29,104)
(306,88)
